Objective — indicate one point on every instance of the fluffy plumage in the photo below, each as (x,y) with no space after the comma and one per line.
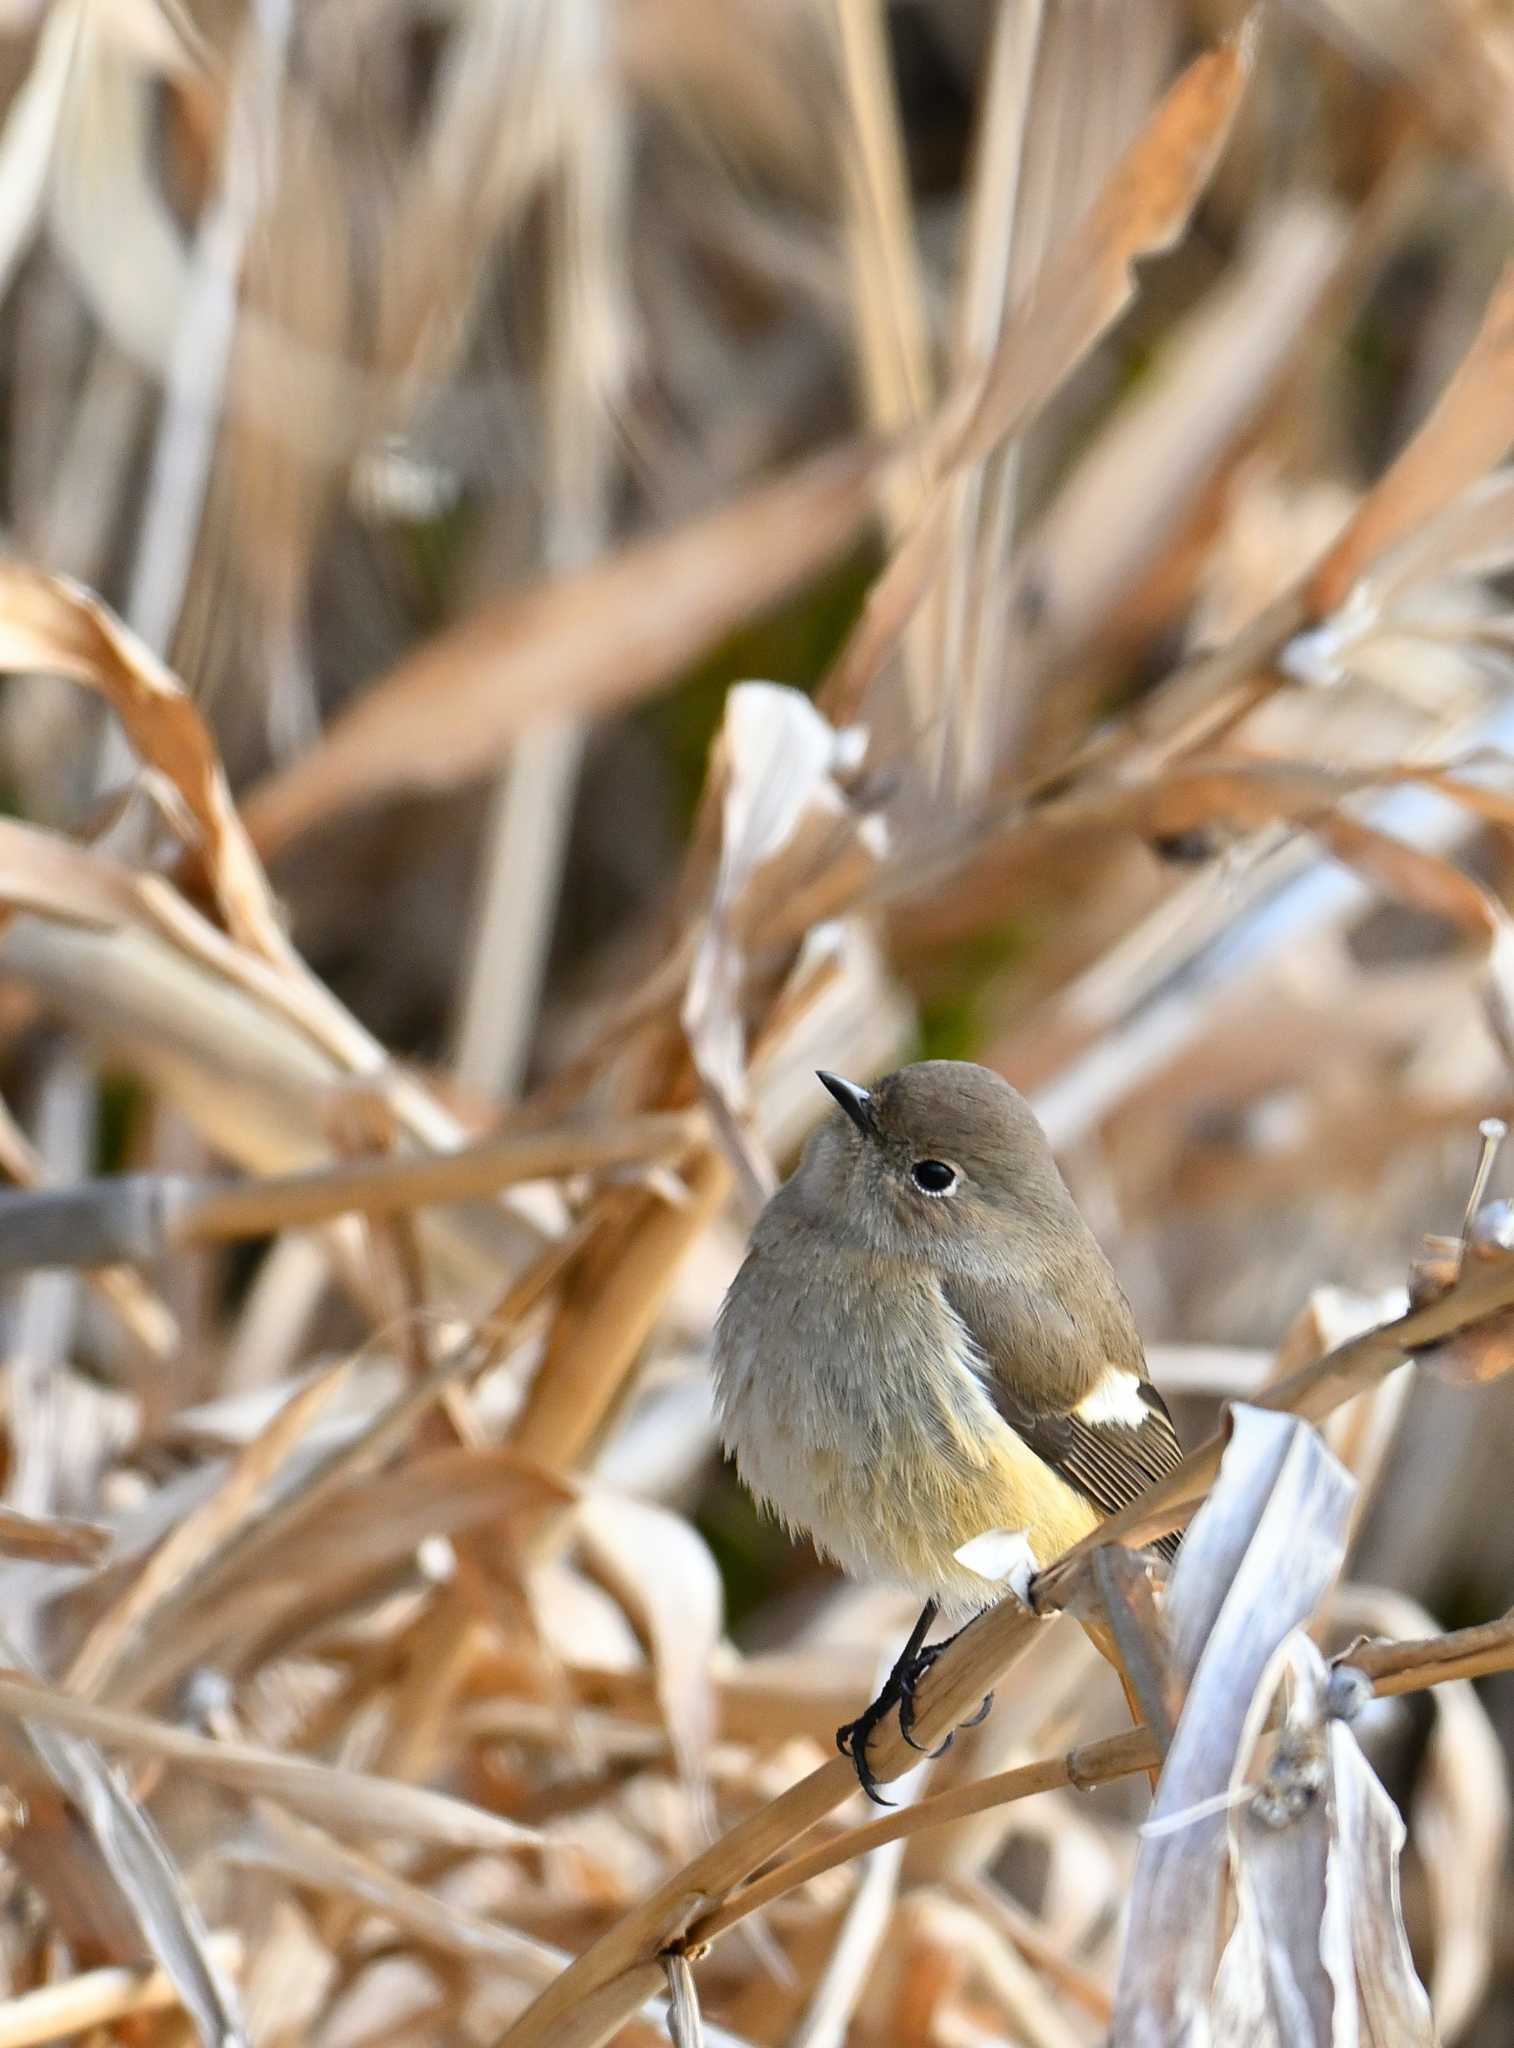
(899,1371)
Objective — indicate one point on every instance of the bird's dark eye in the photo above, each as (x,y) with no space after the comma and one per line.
(933,1176)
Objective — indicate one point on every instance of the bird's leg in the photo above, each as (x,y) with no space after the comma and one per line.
(925,1656)
(852,1740)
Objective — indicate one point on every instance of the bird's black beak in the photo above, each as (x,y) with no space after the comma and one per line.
(856,1101)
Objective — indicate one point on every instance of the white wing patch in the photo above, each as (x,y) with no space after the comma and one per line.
(1115,1400)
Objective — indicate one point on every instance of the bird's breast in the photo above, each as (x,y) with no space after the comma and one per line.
(854,1406)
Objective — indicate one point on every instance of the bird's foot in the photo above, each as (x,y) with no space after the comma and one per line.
(908,1684)
(914,1660)
(852,1740)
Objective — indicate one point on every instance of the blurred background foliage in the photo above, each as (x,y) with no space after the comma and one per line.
(461,398)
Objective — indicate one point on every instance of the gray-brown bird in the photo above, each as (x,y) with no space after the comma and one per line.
(925,1344)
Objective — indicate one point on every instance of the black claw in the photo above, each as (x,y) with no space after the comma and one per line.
(908,1680)
(915,1659)
(852,1741)
(940,1749)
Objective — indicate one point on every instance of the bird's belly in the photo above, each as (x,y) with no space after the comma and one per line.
(892,1481)
(906,1522)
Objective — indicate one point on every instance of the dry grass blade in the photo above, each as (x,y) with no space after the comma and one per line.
(139,1216)
(393,1186)
(514,362)
(576,646)
(99,1998)
(1216,373)
(353,1801)
(313,1858)
(55,877)
(602,1327)
(1470,429)
(50,1540)
(110,1640)
(336,1530)
(608,1982)
(1144,207)
(31,124)
(139,1869)
(890,295)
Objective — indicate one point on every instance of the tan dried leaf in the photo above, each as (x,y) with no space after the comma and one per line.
(52,625)
(1427,882)
(664,1575)
(352,1801)
(576,646)
(1143,208)
(135,1863)
(784,821)
(1469,429)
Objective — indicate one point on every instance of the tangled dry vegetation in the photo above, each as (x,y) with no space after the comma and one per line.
(1083,418)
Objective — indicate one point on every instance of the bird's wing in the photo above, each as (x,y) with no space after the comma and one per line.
(1119,1438)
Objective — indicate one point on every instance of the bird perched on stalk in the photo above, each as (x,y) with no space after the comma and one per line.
(924,1345)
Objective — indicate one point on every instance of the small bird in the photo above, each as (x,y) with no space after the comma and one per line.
(925,1344)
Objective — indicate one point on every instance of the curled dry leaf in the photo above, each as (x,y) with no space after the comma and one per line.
(1273,1985)
(57,627)
(1459,1817)
(663,1573)
(1367,1841)
(1319,1950)
(785,822)
(1259,1556)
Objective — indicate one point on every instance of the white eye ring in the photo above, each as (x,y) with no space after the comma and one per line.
(927,1177)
